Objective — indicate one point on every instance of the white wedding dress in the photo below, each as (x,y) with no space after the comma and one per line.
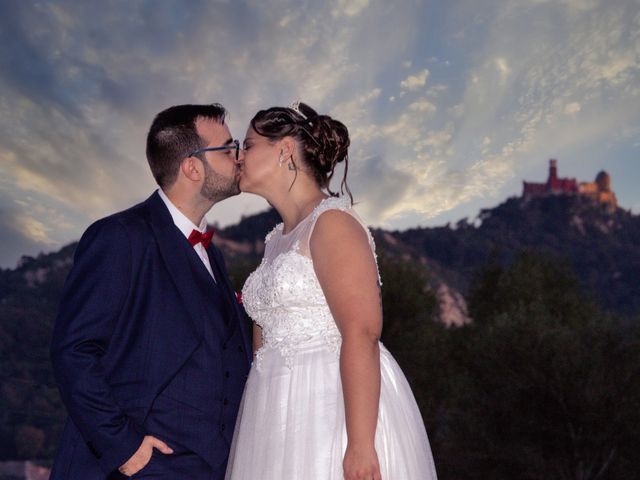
(291,424)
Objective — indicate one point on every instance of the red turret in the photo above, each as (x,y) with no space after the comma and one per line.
(554,184)
(553,170)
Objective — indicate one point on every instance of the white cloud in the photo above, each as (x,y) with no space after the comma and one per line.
(578,5)
(422,105)
(437,90)
(414,82)
(503,68)
(286,20)
(34,230)
(354,112)
(572,108)
(349,8)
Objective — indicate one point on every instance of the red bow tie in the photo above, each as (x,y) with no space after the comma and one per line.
(205,238)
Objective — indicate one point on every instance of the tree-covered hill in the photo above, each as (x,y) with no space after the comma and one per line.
(603,248)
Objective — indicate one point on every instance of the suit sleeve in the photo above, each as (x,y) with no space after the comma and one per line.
(93,297)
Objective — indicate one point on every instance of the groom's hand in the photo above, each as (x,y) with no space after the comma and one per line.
(142,456)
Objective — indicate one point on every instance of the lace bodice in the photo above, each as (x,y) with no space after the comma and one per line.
(283,295)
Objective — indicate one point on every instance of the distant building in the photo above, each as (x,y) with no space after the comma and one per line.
(599,190)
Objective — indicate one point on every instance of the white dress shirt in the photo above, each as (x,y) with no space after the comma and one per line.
(186,226)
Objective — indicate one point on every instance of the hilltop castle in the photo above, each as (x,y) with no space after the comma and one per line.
(599,190)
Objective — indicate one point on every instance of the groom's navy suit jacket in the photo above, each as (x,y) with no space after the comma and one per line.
(144,332)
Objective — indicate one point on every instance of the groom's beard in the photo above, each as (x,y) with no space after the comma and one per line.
(217,187)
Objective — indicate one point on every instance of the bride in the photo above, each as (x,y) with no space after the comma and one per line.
(324,398)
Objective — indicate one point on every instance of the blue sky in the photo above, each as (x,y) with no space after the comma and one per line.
(450,103)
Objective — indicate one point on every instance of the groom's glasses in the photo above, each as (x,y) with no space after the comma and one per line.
(233,146)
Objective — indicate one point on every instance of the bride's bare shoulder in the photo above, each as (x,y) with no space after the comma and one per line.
(337,229)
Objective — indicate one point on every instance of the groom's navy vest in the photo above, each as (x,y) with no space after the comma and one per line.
(194,412)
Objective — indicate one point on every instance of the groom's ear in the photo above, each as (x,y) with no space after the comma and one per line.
(191,167)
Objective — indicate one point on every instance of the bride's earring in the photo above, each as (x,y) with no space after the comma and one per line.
(280,160)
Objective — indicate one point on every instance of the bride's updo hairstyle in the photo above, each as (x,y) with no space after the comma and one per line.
(324,142)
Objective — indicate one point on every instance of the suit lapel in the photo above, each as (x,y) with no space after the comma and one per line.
(222,277)
(199,270)
(209,291)
(171,245)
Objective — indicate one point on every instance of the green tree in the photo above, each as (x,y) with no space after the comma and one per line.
(416,339)
(550,382)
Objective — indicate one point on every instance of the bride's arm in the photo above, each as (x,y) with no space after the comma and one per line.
(257,338)
(346,269)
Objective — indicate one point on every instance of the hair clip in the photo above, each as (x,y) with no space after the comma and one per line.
(295,106)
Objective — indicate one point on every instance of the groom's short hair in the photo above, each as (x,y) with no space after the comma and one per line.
(173,136)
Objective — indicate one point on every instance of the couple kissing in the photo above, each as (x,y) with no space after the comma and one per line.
(160,374)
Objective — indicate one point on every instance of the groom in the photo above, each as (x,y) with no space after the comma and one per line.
(149,350)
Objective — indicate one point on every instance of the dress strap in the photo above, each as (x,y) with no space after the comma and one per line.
(330,203)
(273,230)
(335,203)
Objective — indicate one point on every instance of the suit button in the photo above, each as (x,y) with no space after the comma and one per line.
(224,346)
(240,348)
(227,374)
(222,427)
(225,401)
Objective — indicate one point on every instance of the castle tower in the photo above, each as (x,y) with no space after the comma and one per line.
(553,171)
(600,191)
(603,180)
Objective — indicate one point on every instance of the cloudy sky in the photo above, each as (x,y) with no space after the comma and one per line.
(450,103)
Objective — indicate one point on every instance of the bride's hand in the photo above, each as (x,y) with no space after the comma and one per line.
(361,464)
